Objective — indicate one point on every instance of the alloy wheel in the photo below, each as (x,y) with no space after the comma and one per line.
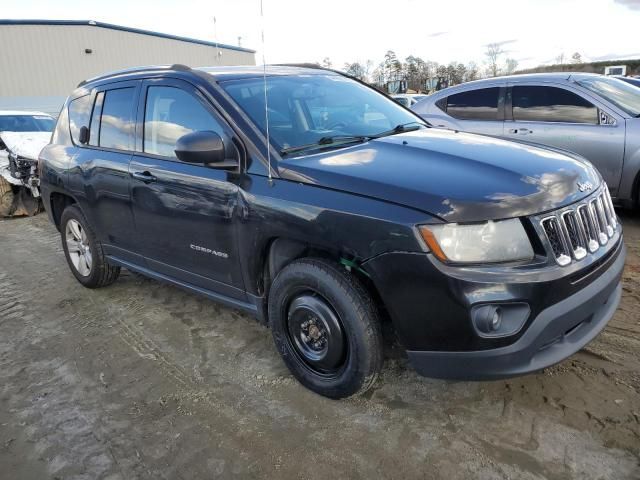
(78,247)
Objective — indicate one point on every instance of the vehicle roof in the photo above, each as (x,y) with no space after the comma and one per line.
(249,71)
(218,73)
(527,77)
(517,78)
(4,113)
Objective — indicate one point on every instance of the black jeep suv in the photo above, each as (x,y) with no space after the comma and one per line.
(326,209)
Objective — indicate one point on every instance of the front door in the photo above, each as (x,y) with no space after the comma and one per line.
(184,213)
(562,118)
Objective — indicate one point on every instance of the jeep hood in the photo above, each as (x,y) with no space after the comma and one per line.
(458,177)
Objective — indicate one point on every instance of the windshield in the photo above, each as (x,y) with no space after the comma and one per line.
(305,109)
(621,94)
(26,123)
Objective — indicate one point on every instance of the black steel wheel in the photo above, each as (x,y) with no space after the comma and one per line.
(315,334)
(326,327)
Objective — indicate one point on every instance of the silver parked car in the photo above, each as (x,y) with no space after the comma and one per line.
(592,115)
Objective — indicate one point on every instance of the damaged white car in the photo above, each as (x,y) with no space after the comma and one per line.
(22,137)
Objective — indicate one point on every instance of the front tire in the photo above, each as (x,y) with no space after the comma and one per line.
(84,252)
(326,328)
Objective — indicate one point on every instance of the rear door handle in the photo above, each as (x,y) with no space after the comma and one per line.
(145,177)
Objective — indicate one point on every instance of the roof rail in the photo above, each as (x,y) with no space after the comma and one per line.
(176,66)
(316,66)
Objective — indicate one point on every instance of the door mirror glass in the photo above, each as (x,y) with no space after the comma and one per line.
(204,147)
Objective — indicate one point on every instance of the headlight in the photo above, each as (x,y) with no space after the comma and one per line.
(492,241)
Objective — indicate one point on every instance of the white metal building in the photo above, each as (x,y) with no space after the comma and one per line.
(42,61)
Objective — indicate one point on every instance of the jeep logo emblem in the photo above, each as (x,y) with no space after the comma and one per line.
(585,187)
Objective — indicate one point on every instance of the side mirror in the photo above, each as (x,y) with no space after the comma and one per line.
(84,135)
(203,147)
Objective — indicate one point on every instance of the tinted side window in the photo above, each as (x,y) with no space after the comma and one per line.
(481,104)
(551,104)
(171,113)
(79,113)
(117,124)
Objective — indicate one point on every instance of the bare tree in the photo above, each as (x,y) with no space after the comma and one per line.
(493,53)
(510,65)
(356,69)
(472,72)
(392,66)
(576,58)
(560,59)
(326,62)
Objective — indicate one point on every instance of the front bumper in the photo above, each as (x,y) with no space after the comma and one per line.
(431,316)
(556,333)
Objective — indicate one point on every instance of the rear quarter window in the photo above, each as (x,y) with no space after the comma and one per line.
(79,114)
(442,104)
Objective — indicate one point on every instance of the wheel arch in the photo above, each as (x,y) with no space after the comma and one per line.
(280,252)
(58,201)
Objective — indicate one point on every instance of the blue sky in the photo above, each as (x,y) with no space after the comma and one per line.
(533,31)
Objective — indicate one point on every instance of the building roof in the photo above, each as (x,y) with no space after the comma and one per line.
(124,29)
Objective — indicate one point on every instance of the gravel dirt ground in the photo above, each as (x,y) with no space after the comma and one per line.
(144,380)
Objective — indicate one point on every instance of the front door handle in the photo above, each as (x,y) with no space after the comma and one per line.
(521,131)
(145,176)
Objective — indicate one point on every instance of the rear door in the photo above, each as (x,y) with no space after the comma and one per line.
(477,110)
(100,177)
(184,213)
(560,116)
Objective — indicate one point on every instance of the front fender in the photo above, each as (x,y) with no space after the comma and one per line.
(348,225)
(630,178)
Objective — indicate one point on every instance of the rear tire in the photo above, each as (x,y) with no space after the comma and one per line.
(326,328)
(84,252)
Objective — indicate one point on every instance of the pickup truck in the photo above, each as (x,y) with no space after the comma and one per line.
(331,213)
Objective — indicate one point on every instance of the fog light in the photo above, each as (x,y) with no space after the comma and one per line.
(488,319)
(499,320)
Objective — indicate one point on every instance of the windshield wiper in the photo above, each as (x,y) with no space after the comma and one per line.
(332,141)
(339,140)
(402,128)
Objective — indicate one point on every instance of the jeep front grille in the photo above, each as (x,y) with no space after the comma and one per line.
(574,232)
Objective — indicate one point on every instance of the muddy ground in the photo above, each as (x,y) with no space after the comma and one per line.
(143,380)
